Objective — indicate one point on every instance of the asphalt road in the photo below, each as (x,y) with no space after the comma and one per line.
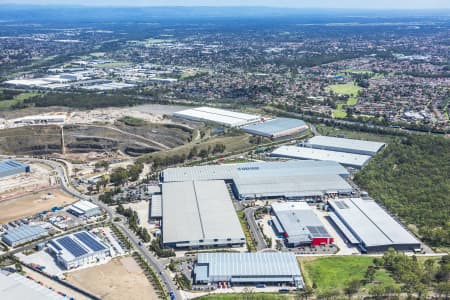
(160,270)
(249,213)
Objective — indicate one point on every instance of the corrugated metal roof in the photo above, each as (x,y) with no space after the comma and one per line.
(24,232)
(250,264)
(372,224)
(16,286)
(275,126)
(221,116)
(292,186)
(8,164)
(290,168)
(299,221)
(349,159)
(198,210)
(156,207)
(345,145)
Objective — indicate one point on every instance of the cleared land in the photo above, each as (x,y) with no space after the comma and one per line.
(32,204)
(335,273)
(119,279)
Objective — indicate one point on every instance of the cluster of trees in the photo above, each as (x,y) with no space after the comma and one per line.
(174,159)
(83,100)
(411,178)
(133,222)
(120,175)
(416,277)
(161,251)
(107,197)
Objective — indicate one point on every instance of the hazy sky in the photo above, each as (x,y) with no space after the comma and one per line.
(377,4)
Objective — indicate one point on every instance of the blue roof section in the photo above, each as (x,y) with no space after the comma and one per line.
(89,241)
(274,126)
(24,232)
(72,246)
(9,164)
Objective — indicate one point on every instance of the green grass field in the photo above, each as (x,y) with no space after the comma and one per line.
(339,112)
(334,273)
(350,89)
(352,101)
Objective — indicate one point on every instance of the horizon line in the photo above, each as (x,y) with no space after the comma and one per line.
(220,6)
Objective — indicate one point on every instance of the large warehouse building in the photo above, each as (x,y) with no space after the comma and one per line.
(84,208)
(219,116)
(344,158)
(199,214)
(294,179)
(367,225)
(10,167)
(78,249)
(299,225)
(280,268)
(276,128)
(344,145)
(23,234)
(15,286)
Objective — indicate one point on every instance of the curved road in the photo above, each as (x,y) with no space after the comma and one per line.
(155,263)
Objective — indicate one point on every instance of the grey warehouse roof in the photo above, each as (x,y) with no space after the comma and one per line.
(251,170)
(255,265)
(292,179)
(370,223)
(299,221)
(24,232)
(349,159)
(198,210)
(16,286)
(275,126)
(345,145)
(156,207)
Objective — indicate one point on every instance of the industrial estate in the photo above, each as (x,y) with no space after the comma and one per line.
(302,186)
(219,154)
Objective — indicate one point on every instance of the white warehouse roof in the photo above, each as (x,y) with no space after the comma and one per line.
(16,286)
(348,159)
(345,145)
(371,224)
(221,116)
(199,213)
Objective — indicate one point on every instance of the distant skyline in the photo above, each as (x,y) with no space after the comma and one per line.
(343,4)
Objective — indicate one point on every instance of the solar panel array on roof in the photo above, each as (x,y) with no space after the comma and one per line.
(78,248)
(72,246)
(89,241)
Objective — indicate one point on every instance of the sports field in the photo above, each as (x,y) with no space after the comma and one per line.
(350,89)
